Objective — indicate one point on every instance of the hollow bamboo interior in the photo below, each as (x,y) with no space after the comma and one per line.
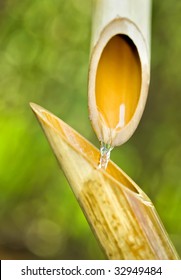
(118,82)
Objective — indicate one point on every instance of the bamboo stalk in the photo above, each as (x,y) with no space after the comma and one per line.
(111,18)
(120,214)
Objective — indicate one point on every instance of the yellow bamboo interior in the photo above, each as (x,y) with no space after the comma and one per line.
(93,155)
(118,82)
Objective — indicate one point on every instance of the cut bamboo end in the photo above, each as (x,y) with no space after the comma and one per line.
(119,81)
(120,214)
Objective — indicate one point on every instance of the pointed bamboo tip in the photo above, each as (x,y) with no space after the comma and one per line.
(41,113)
(37,109)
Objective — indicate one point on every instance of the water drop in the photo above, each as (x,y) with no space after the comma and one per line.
(105,152)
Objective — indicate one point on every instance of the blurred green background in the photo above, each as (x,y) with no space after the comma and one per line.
(44,55)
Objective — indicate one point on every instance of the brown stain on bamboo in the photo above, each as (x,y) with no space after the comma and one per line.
(97,202)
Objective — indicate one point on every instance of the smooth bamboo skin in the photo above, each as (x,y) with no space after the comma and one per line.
(112,17)
(120,214)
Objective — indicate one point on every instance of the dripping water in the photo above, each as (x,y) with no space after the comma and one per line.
(105,152)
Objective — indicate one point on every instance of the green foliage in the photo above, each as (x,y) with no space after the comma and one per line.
(44,54)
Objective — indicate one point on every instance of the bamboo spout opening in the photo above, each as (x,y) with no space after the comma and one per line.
(83,147)
(118,82)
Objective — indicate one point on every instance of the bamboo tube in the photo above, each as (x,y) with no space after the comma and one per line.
(119,71)
(120,214)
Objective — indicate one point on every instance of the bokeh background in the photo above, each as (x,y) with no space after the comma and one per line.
(44,55)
